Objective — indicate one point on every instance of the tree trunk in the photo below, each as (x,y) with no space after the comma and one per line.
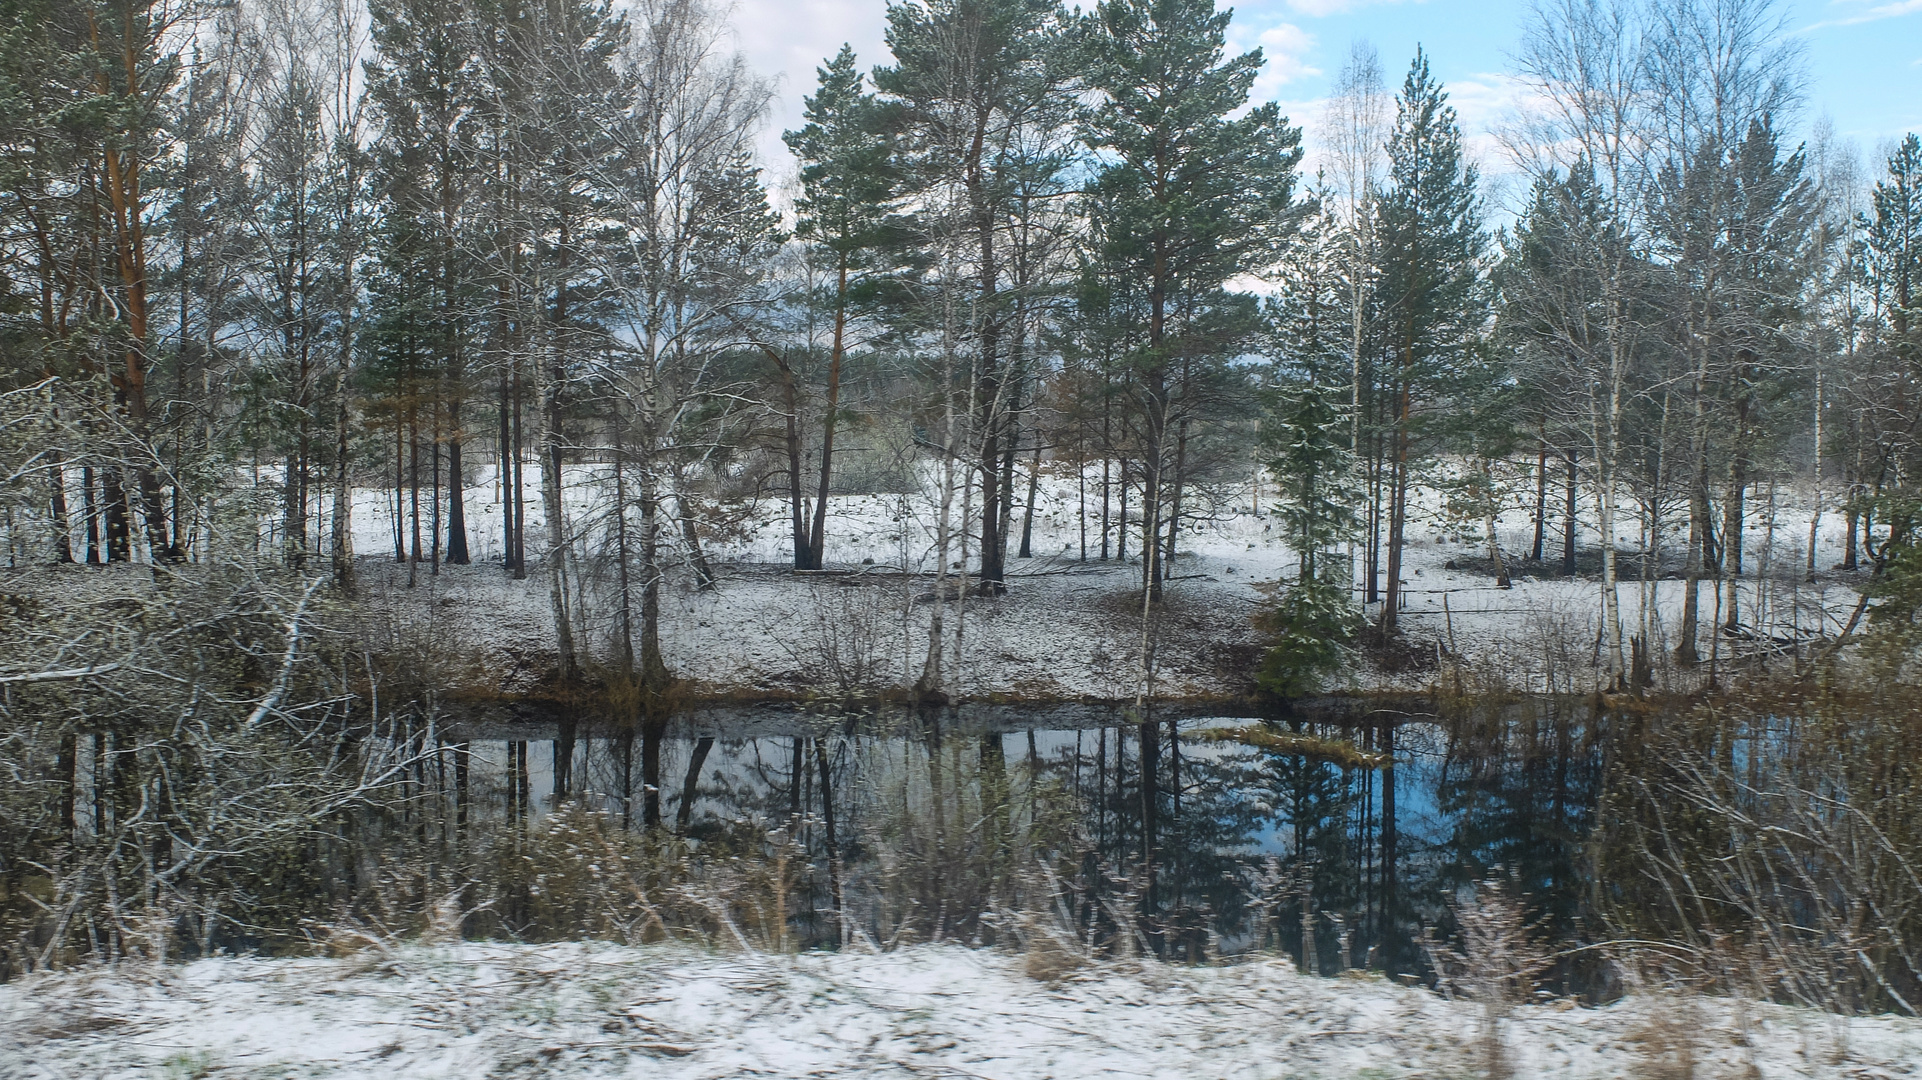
(1174,503)
(341,543)
(555,558)
(1541,501)
(504,477)
(993,532)
(696,556)
(1852,521)
(1107,459)
(96,554)
(830,417)
(57,490)
(520,480)
(1606,434)
(1568,517)
(564,742)
(623,580)
(123,180)
(1815,479)
(625,749)
(66,769)
(1700,543)
(457,553)
(413,491)
(119,529)
(654,673)
(1732,529)
(1007,484)
(988,381)
(804,555)
(1488,525)
(1027,517)
(684,813)
(461,758)
(928,687)
(1151,492)
(1390,623)
(434,534)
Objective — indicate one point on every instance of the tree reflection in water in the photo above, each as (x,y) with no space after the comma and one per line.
(928,826)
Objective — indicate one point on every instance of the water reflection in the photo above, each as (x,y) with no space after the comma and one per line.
(1199,846)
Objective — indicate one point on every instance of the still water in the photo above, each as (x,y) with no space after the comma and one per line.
(1221,846)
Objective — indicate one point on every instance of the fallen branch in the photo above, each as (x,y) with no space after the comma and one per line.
(272,700)
(65,673)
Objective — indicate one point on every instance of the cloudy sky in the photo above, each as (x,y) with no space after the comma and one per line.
(1864,56)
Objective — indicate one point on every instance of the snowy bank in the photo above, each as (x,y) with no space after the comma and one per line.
(471,1010)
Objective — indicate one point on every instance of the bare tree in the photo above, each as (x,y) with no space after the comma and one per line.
(1356,125)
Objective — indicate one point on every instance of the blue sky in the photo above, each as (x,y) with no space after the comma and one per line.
(1864,56)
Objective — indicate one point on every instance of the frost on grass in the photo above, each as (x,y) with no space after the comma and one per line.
(668,1012)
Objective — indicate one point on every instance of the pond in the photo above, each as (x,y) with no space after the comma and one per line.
(1343,837)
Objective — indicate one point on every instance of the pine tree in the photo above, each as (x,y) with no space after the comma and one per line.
(980,99)
(425,87)
(1431,287)
(1893,242)
(1198,192)
(847,184)
(1891,260)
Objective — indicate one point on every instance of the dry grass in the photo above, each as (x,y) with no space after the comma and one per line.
(1500,957)
(1667,1040)
(1047,958)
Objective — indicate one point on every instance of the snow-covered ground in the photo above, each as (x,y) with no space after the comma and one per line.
(1067,628)
(663,1012)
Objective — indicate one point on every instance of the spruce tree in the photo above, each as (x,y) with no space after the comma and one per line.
(1314,622)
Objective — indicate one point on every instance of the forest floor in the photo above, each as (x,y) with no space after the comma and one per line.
(662,1012)
(1069,629)
(1066,629)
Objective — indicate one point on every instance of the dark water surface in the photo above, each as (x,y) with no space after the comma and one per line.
(1226,849)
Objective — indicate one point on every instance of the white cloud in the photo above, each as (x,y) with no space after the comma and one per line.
(1319,9)
(785,40)
(1285,47)
(1880,11)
